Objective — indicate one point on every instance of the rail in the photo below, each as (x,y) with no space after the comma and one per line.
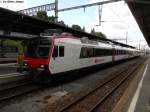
(116,81)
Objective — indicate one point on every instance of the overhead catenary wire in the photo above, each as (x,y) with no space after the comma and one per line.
(120,18)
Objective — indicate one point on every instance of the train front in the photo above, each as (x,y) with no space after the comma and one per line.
(37,56)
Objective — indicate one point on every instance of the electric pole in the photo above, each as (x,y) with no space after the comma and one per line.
(100,7)
(126,36)
(56,11)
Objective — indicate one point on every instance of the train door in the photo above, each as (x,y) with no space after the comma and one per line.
(57,60)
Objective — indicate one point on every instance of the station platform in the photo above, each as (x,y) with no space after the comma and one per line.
(11,77)
(8,60)
(8,68)
(136,97)
(141,100)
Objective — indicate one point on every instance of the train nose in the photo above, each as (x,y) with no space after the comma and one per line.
(30,66)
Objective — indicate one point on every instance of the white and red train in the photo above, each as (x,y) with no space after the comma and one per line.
(62,53)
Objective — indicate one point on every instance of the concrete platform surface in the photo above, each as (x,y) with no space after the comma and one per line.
(143,102)
(141,99)
(8,68)
(8,59)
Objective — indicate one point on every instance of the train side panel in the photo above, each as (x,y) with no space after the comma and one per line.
(68,56)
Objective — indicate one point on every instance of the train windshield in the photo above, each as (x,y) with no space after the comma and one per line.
(39,48)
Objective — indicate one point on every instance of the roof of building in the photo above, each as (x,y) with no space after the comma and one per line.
(11,21)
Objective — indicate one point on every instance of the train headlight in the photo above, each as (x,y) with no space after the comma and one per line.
(25,64)
(42,66)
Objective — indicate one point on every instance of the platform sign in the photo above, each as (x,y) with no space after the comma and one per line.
(34,10)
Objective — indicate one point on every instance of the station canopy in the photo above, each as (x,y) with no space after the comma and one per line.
(141,11)
(14,25)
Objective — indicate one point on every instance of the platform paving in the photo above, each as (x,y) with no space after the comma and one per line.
(141,100)
(2,60)
(8,68)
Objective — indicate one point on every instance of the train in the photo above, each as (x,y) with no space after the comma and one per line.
(60,53)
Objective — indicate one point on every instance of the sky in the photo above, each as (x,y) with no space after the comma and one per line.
(118,20)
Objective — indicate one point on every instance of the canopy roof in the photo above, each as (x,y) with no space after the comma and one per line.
(141,11)
(11,21)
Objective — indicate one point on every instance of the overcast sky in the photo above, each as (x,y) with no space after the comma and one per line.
(118,20)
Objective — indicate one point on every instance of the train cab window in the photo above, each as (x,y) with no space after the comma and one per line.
(55,51)
(61,51)
(43,50)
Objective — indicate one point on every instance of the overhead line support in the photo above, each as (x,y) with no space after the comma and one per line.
(89,5)
(56,10)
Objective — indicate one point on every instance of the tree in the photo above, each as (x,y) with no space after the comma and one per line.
(83,29)
(42,15)
(51,18)
(76,27)
(93,31)
(61,23)
(99,34)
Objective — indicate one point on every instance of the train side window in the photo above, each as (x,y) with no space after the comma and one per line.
(96,52)
(90,52)
(83,53)
(107,52)
(124,52)
(111,51)
(55,51)
(61,51)
(119,52)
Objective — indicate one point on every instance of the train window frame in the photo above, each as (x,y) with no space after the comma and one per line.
(89,51)
(55,52)
(61,51)
(83,52)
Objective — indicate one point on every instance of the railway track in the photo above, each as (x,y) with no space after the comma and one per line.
(87,103)
(18,89)
(91,101)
